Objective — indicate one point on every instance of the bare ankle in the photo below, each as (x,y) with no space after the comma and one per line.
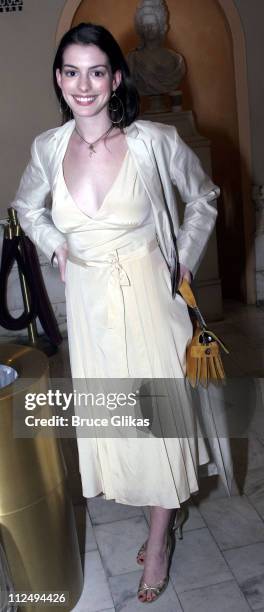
(157,546)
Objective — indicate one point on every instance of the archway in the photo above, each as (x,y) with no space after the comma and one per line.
(247,282)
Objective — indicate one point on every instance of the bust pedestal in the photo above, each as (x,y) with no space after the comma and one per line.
(207,283)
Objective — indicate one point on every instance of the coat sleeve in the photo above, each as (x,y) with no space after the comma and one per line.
(34,218)
(199,194)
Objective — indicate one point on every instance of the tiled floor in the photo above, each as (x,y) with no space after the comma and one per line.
(218,566)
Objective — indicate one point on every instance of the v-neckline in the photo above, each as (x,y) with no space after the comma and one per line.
(107,194)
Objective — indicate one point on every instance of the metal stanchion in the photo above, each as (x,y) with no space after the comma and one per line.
(12,230)
(37,527)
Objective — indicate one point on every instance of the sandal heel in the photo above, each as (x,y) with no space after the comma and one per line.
(181,518)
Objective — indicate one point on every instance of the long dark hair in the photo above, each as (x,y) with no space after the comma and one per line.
(89,33)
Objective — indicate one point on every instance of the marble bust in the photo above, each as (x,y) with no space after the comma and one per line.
(155,69)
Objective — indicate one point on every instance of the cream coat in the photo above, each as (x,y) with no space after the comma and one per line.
(162,160)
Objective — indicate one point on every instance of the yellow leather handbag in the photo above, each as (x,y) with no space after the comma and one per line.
(203,359)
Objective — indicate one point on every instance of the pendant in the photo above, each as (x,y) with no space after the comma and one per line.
(91,150)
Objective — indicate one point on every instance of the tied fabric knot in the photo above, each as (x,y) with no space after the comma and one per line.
(118,279)
(118,272)
(116,310)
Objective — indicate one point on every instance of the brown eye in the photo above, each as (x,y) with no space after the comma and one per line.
(70,73)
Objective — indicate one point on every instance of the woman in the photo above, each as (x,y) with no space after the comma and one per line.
(116,237)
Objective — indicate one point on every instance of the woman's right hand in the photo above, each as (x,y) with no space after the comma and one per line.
(61,254)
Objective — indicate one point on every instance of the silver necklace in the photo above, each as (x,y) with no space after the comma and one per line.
(91,144)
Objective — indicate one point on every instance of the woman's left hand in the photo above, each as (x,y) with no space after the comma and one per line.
(184,273)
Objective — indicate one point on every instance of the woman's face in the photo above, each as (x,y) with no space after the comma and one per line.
(86,79)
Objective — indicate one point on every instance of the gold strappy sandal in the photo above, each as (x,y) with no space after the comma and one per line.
(181,517)
(159,588)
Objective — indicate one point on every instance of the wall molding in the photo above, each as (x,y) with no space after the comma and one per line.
(245,145)
(66,18)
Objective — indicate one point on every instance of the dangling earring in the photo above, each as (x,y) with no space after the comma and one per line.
(116,107)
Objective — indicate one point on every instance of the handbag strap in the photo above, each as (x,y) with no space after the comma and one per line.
(190,300)
(187,294)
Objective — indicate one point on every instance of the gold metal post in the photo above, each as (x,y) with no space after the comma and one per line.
(37,527)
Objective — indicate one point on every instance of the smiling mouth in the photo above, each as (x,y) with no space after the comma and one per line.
(84,100)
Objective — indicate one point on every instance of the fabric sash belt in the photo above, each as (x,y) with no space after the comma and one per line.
(116,324)
(123,254)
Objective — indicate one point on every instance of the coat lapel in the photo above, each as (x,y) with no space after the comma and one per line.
(149,174)
(145,165)
(62,139)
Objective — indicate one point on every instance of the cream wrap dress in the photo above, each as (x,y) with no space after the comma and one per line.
(123,323)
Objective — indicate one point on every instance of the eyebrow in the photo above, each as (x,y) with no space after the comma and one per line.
(96,66)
